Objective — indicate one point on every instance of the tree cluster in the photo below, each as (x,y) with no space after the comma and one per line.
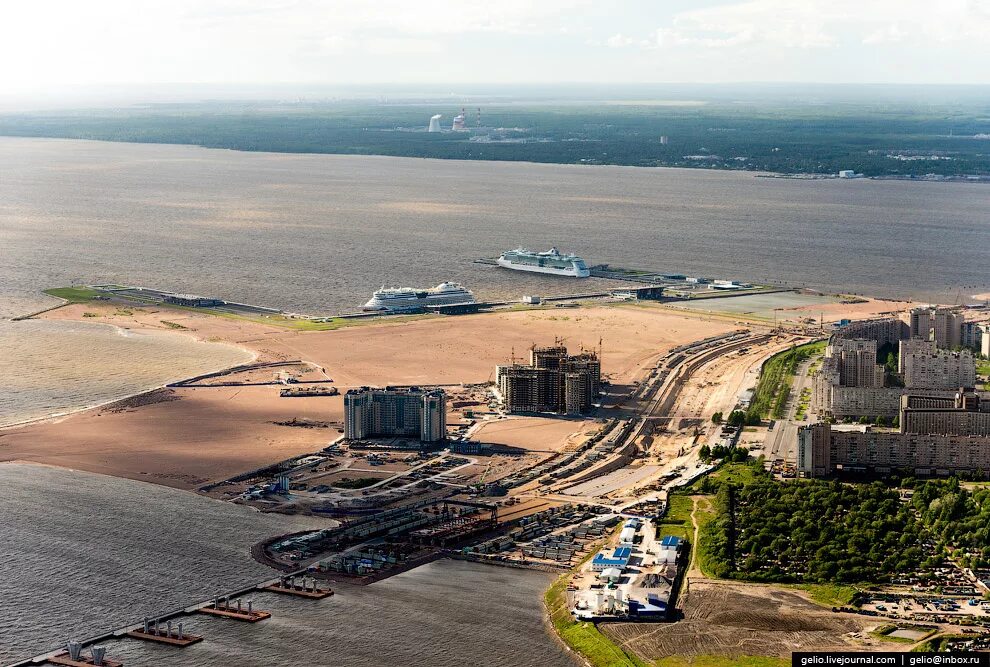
(723,452)
(813,532)
(957,518)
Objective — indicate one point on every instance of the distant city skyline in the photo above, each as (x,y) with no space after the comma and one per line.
(49,45)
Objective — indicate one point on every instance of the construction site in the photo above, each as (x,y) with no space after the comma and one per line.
(544,464)
(541,506)
(553,381)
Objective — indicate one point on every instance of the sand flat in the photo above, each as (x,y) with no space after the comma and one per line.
(535,434)
(465,349)
(211,433)
(200,435)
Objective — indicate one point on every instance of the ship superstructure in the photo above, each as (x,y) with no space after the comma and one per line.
(551,261)
(404,299)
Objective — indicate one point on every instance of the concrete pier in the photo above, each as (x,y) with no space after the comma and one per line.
(154,632)
(236,610)
(82,661)
(162,639)
(300,587)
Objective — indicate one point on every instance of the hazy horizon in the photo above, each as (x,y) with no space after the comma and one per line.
(535,93)
(60,44)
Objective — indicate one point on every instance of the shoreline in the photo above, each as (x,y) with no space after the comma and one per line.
(54,417)
(198,435)
(255,354)
(756,173)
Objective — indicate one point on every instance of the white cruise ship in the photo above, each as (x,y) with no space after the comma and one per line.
(404,299)
(550,261)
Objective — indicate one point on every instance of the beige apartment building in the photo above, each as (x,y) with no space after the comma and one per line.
(924,365)
(937,437)
(395,412)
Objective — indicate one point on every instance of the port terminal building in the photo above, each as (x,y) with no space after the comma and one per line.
(409,412)
(192,300)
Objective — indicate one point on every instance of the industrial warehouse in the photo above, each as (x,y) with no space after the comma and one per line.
(634,580)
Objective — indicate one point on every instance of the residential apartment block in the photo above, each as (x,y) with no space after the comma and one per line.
(395,412)
(937,436)
(553,381)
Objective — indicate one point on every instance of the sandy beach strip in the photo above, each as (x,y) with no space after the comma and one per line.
(197,435)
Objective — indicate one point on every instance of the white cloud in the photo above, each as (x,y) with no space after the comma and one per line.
(44,43)
(887,35)
(68,41)
(821,24)
(409,17)
(402,45)
(618,41)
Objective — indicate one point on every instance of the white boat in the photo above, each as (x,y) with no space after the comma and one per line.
(551,261)
(405,299)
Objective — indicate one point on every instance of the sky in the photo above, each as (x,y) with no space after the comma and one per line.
(46,45)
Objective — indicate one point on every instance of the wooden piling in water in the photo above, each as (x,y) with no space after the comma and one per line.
(64,659)
(186,640)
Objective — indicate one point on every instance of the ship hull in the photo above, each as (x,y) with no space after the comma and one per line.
(570,273)
(416,301)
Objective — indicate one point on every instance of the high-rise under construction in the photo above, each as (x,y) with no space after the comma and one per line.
(553,381)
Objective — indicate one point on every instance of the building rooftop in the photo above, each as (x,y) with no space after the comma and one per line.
(627,536)
(671,541)
(619,558)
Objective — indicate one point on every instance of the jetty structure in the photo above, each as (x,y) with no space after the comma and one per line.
(153,631)
(73,657)
(221,607)
(168,630)
(300,587)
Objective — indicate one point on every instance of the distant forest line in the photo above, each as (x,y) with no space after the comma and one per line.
(875,140)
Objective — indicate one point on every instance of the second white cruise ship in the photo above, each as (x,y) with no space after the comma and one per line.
(405,299)
(550,261)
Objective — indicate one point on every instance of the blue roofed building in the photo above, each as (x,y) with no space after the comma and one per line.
(619,558)
(654,606)
(669,550)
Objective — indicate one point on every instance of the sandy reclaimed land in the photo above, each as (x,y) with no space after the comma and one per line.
(862,308)
(438,350)
(212,433)
(833,312)
(182,438)
(536,434)
(453,350)
(260,338)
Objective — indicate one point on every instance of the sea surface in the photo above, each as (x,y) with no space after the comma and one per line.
(49,367)
(83,554)
(316,234)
